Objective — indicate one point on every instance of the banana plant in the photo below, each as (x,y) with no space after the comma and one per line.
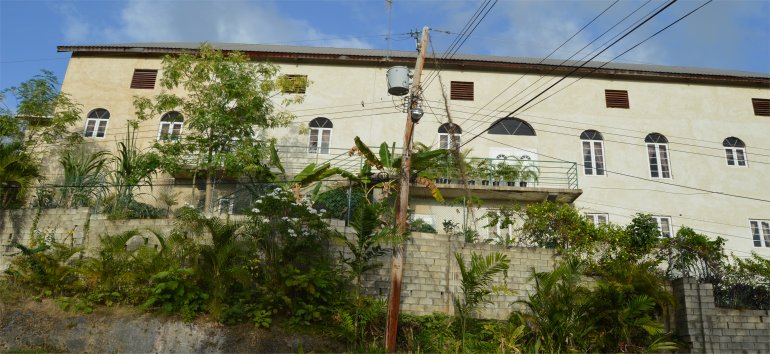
(313,173)
(389,166)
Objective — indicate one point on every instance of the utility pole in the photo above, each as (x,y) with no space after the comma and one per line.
(402,205)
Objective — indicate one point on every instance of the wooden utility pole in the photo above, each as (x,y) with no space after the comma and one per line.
(402,205)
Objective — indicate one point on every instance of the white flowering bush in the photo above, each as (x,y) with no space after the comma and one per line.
(297,274)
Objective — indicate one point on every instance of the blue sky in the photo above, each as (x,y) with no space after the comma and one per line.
(725,34)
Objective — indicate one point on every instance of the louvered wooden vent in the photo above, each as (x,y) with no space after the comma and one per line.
(761,106)
(461,90)
(616,98)
(144,79)
(295,84)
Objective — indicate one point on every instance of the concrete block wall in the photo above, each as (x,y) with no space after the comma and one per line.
(76,226)
(432,277)
(708,328)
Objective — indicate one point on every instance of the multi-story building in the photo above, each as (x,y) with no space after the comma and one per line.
(688,145)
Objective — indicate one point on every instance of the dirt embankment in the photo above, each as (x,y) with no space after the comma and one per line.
(42,325)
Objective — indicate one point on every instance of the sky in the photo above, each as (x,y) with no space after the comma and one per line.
(724,34)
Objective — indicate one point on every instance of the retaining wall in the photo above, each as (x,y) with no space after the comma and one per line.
(710,329)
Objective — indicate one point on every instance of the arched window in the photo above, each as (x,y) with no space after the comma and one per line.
(511,126)
(593,153)
(657,154)
(449,136)
(170,125)
(96,124)
(735,150)
(320,135)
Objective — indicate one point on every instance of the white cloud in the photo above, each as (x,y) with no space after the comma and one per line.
(75,29)
(213,21)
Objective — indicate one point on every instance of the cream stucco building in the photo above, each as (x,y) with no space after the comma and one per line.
(688,145)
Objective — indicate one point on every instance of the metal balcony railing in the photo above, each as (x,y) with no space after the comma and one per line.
(509,173)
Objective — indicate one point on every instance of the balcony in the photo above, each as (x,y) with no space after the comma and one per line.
(498,179)
(508,179)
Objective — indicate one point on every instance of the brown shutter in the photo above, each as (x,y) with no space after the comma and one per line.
(461,90)
(616,98)
(761,106)
(144,79)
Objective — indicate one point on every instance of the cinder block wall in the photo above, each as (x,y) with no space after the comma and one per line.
(432,277)
(710,329)
(75,226)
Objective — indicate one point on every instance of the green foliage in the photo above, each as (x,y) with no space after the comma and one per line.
(558,310)
(335,202)
(643,236)
(43,115)
(226,105)
(556,225)
(175,291)
(47,266)
(746,284)
(476,283)
(132,169)
(419,225)
(223,260)
(452,228)
(617,315)
(293,275)
(84,176)
(691,254)
(18,172)
(388,163)
(429,334)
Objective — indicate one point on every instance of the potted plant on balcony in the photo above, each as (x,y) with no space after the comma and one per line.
(482,171)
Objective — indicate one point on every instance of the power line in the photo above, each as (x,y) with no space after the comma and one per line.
(575,69)
(714,145)
(561,65)
(464,35)
(621,54)
(549,55)
(641,178)
(580,129)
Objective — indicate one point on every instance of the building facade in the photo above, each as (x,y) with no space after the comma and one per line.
(689,146)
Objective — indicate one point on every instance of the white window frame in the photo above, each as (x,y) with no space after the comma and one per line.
(592,158)
(760,230)
(448,141)
(319,147)
(732,154)
(659,221)
(169,128)
(97,122)
(659,164)
(595,218)
(426,218)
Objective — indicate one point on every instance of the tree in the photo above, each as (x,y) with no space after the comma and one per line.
(388,164)
(226,104)
(43,116)
(18,171)
(476,283)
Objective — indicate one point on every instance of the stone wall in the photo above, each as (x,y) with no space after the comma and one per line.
(707,328)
